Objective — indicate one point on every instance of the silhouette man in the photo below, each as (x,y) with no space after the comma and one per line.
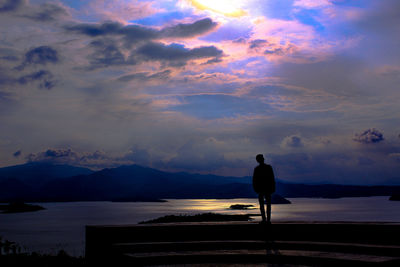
(264,185)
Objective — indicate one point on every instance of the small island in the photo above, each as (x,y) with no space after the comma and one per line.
(16,207)
(241,207)
(278,199)
(137,199)
(204,217)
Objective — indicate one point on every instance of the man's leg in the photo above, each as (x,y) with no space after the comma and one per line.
(268,199)
(262,209)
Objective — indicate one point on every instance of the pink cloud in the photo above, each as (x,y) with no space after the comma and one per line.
(120,10)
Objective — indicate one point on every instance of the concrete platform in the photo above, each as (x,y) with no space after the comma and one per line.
(291,243)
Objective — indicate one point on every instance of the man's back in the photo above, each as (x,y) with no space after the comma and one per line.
(263,179)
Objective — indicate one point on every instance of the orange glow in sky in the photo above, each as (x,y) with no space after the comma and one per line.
(225,7)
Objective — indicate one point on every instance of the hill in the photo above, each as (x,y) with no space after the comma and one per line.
(40,182)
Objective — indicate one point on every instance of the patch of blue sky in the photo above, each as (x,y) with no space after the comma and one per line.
(256,62)
(166,5)
(353,3)
(160,19)
(278,9)
(76,4)
(273,90)
(308,17)
(230,31)
(219,106)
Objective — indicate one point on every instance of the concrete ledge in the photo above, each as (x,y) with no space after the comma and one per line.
(334,242)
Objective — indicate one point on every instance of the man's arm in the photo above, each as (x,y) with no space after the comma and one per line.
(272,180)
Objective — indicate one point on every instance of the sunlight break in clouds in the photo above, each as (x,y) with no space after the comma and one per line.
(230,8)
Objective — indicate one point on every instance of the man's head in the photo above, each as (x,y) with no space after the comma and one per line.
(260,158)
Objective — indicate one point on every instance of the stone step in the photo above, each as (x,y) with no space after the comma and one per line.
(298,257)
(367,249)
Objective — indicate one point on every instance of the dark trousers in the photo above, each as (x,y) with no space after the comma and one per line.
(267,198)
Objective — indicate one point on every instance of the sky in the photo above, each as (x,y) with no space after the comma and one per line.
(204,86)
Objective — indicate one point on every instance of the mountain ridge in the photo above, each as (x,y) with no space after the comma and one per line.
(138,182)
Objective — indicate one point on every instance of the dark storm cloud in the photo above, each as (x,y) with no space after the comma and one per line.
(17,153)
(47,12)
(93,30)
(188,30)
(10,5)
(144,76)
(39,56)
(369,136)
(135,33)
(107,53)
(176,54)
(44,78)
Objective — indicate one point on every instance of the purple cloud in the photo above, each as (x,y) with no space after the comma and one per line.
(293,141)
(136,33)
(369,136)
(11,5)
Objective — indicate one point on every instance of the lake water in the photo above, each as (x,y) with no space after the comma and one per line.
(62,225)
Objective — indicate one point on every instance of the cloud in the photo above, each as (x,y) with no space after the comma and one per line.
(107,53)
(145,76)
(10,5)
(120,10)
(17,153)
(4,96)
(69,156)
(258,43)
(40,56)
(44,77)
(187,30)
(199,155)
(240,40)
(5,79)
(176,54)
(47,12)
(97,159)
(275,51)
(111,28)
(364,161)
(8,54)
(135,33)
(292,141)
(369,136)
(218,106)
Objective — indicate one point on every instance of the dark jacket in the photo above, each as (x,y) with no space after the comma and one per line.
(264,179)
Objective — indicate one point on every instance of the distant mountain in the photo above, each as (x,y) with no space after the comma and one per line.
(26,180)
(140,182)
(30,182)
(35,171)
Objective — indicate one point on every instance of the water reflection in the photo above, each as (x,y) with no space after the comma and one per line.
(62,225)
